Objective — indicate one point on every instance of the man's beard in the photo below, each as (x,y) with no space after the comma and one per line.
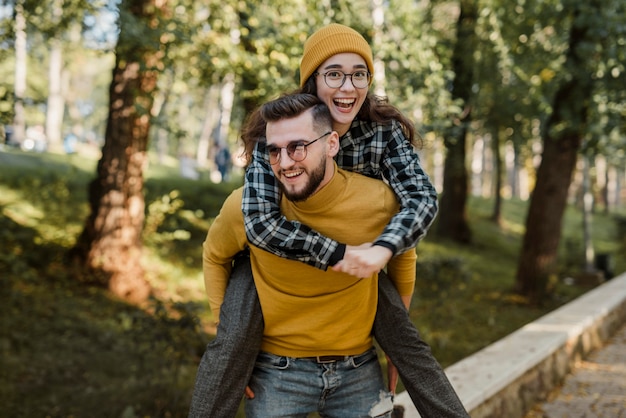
(315,179)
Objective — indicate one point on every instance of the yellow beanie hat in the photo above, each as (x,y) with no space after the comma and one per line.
(328,41)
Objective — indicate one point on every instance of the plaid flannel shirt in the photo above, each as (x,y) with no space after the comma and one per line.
(373,149)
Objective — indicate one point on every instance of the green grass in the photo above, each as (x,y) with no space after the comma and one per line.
(69,350)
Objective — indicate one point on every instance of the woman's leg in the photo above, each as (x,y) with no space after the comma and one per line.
(228,361)
(423,377)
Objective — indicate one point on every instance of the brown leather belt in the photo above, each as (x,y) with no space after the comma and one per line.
(326,359)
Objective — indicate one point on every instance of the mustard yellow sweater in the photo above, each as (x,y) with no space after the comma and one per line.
(309,312)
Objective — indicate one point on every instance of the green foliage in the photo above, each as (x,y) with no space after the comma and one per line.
(519,61)
(179,212)
(438,277)
(55,17)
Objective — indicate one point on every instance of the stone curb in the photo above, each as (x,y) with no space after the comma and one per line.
(508,377)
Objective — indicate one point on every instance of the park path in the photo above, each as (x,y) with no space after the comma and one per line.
(596,387)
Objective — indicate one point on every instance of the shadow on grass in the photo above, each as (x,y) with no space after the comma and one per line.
(70,350)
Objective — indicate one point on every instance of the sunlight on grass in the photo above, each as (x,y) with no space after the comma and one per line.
(515,228)
(24,214)
(8,195)
(50,221)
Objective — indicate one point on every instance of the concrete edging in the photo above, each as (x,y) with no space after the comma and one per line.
(508,377)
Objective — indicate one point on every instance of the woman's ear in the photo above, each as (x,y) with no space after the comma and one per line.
(333,143)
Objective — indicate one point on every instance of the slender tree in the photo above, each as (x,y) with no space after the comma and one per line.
(498,167)
(19,119)
(56,101)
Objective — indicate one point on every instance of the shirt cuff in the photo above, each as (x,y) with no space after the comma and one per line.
(386,245)
(337,256)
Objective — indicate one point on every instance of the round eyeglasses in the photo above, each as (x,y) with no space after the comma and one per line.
(296,150)
(335,78)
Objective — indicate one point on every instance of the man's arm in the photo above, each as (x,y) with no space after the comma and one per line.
(225,239)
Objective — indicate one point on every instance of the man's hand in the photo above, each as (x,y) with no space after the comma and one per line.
(392,375)
(363,261)
(250,395)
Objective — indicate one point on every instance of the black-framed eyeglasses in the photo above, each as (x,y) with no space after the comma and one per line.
(296,150)
(335,78)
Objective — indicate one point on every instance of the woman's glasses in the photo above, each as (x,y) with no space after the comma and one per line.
(335,78)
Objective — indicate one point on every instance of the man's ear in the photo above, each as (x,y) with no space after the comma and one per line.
(333,143)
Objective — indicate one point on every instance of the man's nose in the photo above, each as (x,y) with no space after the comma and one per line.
(285,158)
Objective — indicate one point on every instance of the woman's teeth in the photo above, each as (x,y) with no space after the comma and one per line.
(344,102)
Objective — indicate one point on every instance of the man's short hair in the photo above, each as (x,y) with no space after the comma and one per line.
(292,105)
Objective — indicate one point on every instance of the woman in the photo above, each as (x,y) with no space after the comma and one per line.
(337,66)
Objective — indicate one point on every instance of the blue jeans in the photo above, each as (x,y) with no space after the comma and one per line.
(292,387)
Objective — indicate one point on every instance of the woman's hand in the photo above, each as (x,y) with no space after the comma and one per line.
(363,261)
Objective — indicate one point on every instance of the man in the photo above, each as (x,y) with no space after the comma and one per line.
(317,352)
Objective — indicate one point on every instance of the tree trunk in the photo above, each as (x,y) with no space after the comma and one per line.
(477,166)
(227,98)
(110,248)
(378,19)
(543,223)
(158,112)
(515,180)
(211,117)
(19,119)
(562,136)
(496,215)
(602,178)
(587,218)
(452,223)
(56,101)
(612,189)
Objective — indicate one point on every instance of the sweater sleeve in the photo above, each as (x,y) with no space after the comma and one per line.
(269,230)
(401,168)
(225,239)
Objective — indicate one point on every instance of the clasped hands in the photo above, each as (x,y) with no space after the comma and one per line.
(364,260)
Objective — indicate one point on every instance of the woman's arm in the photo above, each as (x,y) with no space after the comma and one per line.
(269,230)
(401,168)
(383,151)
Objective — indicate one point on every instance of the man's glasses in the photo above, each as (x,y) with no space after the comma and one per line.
(335,78)
(296,150)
